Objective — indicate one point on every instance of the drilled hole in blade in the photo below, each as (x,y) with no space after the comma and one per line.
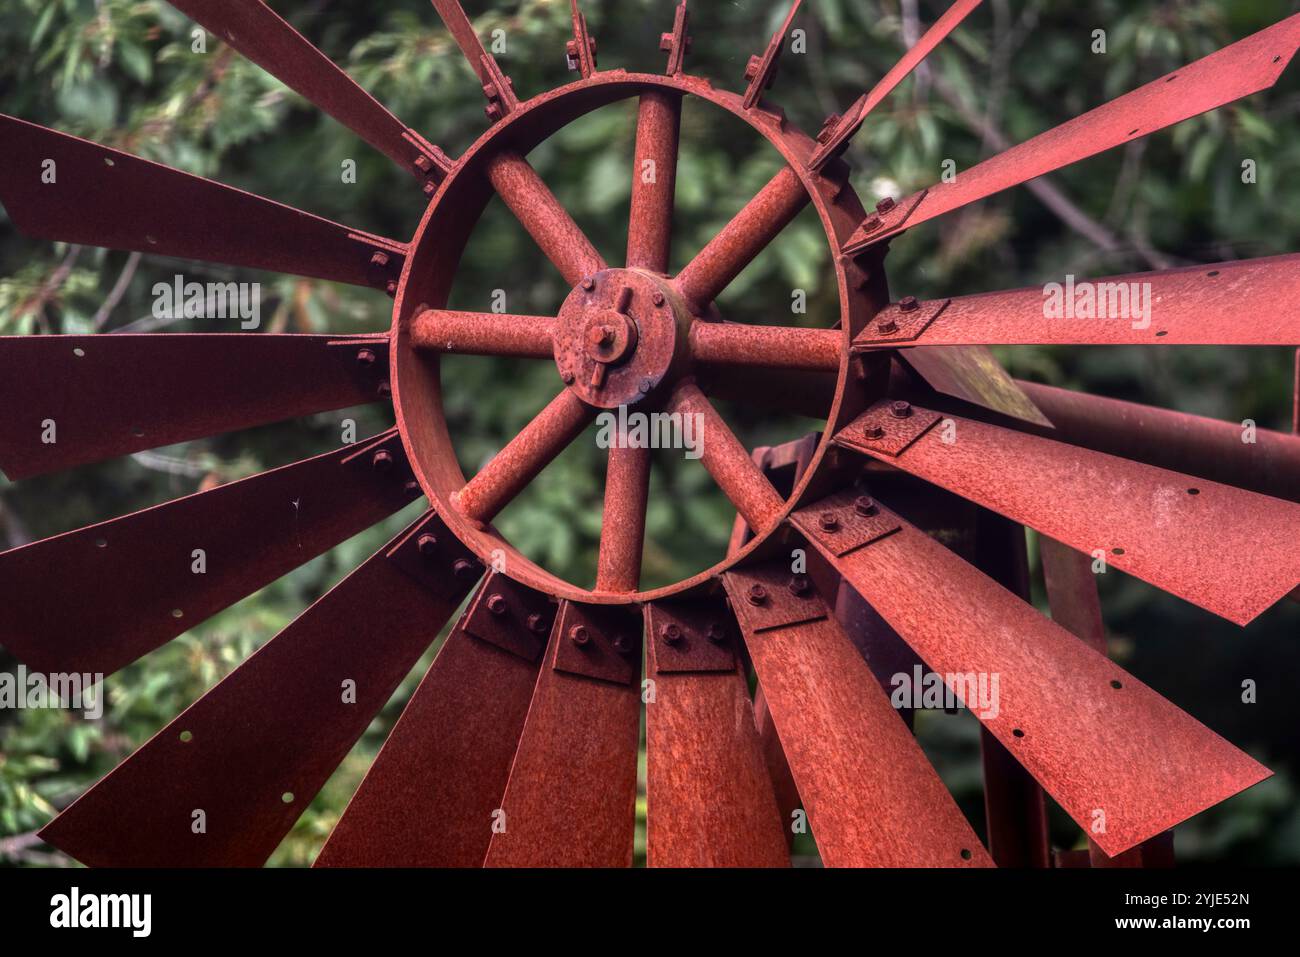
(1161,333)
(137,431)
(1212,273)
(966,854)
(177,613)
(1117,684)
(1193,491)
(1017,732)
(79,352)
(187,736)
(1117,551)
(108,161)
(101,543)
(287,797)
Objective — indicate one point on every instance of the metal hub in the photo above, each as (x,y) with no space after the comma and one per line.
(619,334)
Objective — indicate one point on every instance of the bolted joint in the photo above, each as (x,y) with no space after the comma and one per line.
(497,604)
(828,521)
(427,544)
(900,409)
(537,624)
(382,461)
(579,635)
(865,506)
(671,633)
(800,586)
(909,304)
(464,570)
(757,595)
(715,633)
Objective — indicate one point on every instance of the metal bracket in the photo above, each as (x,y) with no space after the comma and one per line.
(888,428)
(883,223)
(366,358)
(432,556)
(761,70)
(691,636)
(598,641)
(385,456)
(768,596)
(498,88)
(678,43)
(512,617)
(580,52)
(899,322)
(844,522)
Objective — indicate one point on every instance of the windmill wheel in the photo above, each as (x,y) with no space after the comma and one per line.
(520,745)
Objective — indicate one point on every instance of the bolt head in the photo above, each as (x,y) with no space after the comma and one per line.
(578,635)
(716,633)
(757,594)
(865,506)
(382,460)
(536,624)
(427,544)
(622,644)
(496,604)
(379,259)
(567,377)
(828,521)
(588,284)
(646,386)
(874,431)
(885,205)
(800,585)
(366,357)
(887,326)
(909,304)
(463,569)
(900,409)
(390,287)
(658,299)
(671,633)
(871,224)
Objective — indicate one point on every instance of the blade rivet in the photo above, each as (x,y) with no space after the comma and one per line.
(496,604)
(828,521)
(909,304)
(671,634)
(874,431)
(900,409)
(800,585)
(428,545)
(865,506)
(578,635)
(885,205)
(536,624)
(757,594)
(382,460)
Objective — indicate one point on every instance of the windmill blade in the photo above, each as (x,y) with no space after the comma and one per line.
(709,800)
(245,760)
(1247,303)
(872,798)
(72,400)
(851,122)
(1225,549)
(1245,67)
(95,600)
(265,38)
(1124,762)
(66,189)
(584,718)
(429,798)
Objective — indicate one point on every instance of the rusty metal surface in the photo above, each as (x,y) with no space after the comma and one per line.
(96,599)
(580,52)
(899,323)
(584,817)
(430,796)
(114,395)
(889,427)
(252,752)
(511,617)
(497,87)
(872,797)
(972,374)
(484,333)
(95,200)
(1091,734)
(1208,448)
(709,799)
(776,347)
(1164,527)
(650,226)
(1245,67)
(1072,592)
(623,521)
(256,31)
(847,126)
(602,642)
(760,71)
(1250,302)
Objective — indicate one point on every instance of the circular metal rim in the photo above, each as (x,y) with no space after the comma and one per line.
(434,257)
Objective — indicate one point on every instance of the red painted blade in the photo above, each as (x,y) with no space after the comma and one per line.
(1230,551)
(96,195)
(1112,752)
(872,798)
(571,799)
(1247,303)
(851,122)
(99,397)
(251,753)
(429,798)
(710,801)
(1247,66)
(96,599)
(256,31)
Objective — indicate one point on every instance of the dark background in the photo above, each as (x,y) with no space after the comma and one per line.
(122,72)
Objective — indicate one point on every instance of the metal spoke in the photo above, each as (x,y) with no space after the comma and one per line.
(536,207)
(766,347)
(654,181)
(725,457)
(483,333)
(747,235)
(523,459)
(622,527)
